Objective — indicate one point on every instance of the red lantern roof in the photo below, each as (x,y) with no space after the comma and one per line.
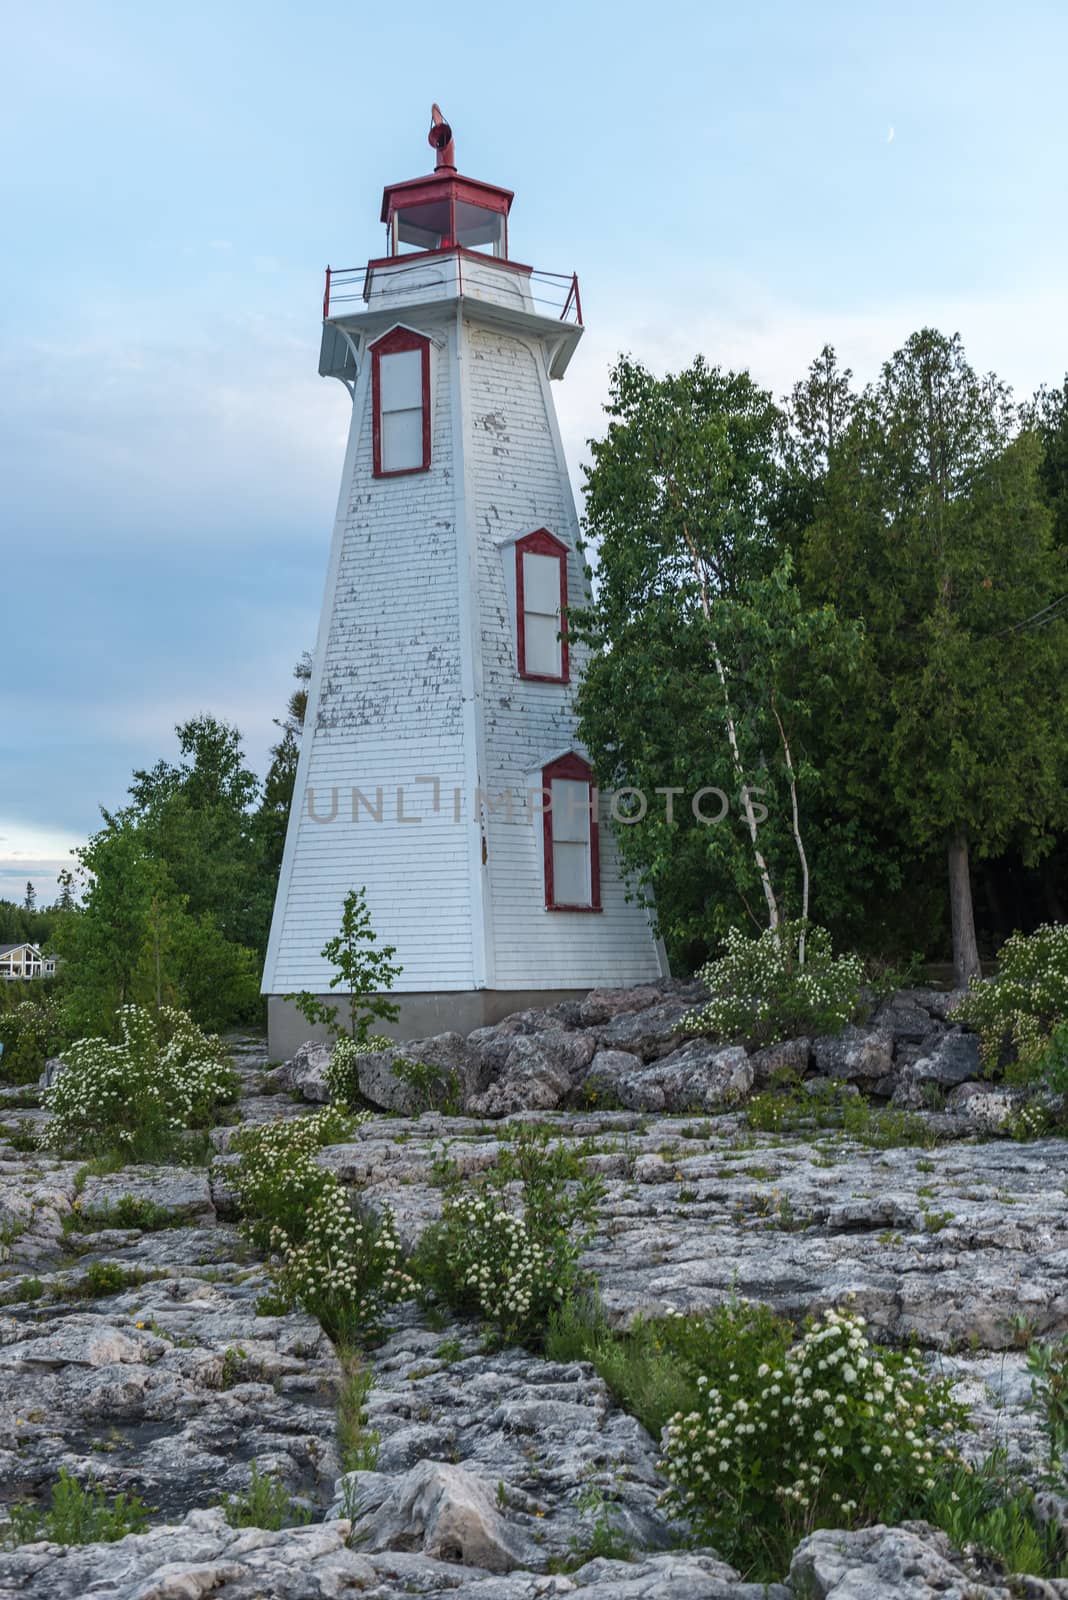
(444,209)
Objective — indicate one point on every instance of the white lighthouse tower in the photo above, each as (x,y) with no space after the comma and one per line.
(440,765)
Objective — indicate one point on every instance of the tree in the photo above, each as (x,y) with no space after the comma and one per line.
(364,974)
(932,532)
(30,902)
(701,648)
(197,817)
(133,941)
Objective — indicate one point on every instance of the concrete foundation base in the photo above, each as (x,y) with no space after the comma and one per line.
(421,1015)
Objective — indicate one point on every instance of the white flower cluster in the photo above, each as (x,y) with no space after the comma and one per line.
(838,1427)
(164,1073)
(1027,997)
(500,1263)
(341,1075)
(348,1267)
(277,1179)
(761,991)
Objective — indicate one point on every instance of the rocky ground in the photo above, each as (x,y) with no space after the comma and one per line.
(135,1358)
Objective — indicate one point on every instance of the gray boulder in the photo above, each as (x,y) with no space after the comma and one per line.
(791,1056)
(855,1054)
(912,1562)
(305,1074)
(437,1509)
(53,1069)
(988,1106)
(601,1005)
(457,1067)
(903,1016)
(650,1034)
(954,1060)
(702,1076)
(531,1072)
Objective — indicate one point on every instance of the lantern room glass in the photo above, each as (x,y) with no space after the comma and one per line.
(442,224)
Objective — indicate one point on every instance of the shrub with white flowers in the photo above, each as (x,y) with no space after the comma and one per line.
(831,1432)
(342,1265)
(1025,1003)
(501,1268)
(342,1077)
(139,1096)
(276,1179)
(347,1268)
(762,992)
(507,1248)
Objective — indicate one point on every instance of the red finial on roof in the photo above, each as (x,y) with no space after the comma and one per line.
(440,139)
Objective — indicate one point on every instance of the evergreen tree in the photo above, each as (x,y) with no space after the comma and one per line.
(934,533)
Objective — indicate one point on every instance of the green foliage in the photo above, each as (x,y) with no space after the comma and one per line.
(357,1444)
(31,1029)
(276,1179)
(342,1265)
(103,1278)
(507,1248)
(139,1096)
(990,1511)
(135,941)
(831,1432)
(931,529)
(1048,1366)
(792,1107)
(1023,1010)
(342,1074)
(762,991)
(434,1089)
(266,1503)
(703,651)
(362,972)
(76,1516)
(654,1368)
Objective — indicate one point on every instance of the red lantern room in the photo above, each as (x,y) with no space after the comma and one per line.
(444,210)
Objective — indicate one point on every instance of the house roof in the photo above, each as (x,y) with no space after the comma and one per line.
(8,949)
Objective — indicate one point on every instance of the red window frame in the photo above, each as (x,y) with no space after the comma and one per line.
(393,343)
(541,543)
(573,767)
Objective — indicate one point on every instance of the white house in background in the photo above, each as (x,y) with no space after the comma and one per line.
(440,765)
(25,961)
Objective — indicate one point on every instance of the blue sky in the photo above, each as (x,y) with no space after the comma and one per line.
(748,181)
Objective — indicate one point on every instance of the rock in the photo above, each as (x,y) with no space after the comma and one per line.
(954,1060)
(791,1058)
(535,1072)
(441,1510)
(178,1192)
(650,1033)
(600,1005)
(457,1066)
(699,1077)
(305,1074)
(53,1069)
(855,1054)
(911,1562)
(938,1003)
(989,1107)
(905,1018)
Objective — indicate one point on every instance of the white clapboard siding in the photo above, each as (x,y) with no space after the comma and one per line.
(415,674)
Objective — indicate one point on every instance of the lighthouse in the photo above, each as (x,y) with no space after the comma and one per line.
(441,767)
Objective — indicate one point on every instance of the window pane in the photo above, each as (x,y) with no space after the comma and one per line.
(402,440)
(400,380)
(476,226)
(571,875)
(541,647)
(571,811)
(424,226)
(541,584)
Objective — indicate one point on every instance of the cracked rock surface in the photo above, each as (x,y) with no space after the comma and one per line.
(171,1385)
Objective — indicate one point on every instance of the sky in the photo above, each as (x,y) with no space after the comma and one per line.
(748,181)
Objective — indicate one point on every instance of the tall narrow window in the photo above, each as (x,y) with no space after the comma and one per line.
(541,606)
(572,856)
(400,402)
